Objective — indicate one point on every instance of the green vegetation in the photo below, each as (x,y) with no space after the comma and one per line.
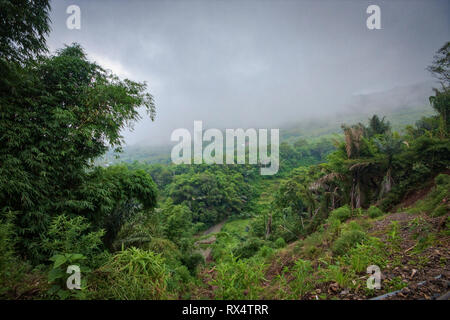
(133,274)
(57,276)
(302,281)
(141,230)
(374,212)
(348,240)
(342,214)
(436,201)
(238,279)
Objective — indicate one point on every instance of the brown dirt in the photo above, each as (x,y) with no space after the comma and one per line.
(412,197)
(414,267)
(215,228)
(206,290)
(285,258)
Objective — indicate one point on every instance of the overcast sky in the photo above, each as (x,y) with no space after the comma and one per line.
(254,63)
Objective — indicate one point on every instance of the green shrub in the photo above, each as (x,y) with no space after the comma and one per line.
(441,195)
(6,245)
(364,255)
(312,244)
(238,279)
(166,248)
(17,276)
(58,276)
(133,274)
(302,282)
(440,210)
(396,283)
(342,214)
(442,179)
(419,227)
(352,225)
(137,232)
(348,240)
(393,235)
(334,226)
(249,248)
(359,212)
(374,212)
(335,273)
(280,243)
(436,202)
(265,251)
(73,235)
(191,261)
(180,276)
(11,269)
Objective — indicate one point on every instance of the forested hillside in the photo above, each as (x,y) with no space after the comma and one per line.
(374,194)
(319,133)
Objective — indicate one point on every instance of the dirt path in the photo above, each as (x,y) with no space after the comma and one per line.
(206,253)
(214,229)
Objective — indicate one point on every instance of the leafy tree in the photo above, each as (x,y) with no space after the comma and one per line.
(441,103)
(110,197)
(389,146)
(440,66)
(178,222)
(290,195)
(360,166)
(61,113)
(73,235)
(377,126)
(353,139)
(23,27)
(210,197)
(426,125)
(162,175)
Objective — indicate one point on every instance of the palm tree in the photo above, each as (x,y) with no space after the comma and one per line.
(441,103)
(440,68)
(353,136)
(389,147)
(357,167)
(377,126)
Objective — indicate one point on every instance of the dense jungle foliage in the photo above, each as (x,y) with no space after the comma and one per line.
(137,229)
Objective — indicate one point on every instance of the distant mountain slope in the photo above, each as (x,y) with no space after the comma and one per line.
(401,106)
(316,128)
(393,99)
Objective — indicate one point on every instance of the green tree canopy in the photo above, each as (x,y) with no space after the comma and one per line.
(23,27)
(59,113)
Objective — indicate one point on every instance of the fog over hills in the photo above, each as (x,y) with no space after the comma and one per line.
(400,105)
(399,97)
(287,150)
(261,64)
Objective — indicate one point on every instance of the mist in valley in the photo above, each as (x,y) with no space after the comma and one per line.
(260,64)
